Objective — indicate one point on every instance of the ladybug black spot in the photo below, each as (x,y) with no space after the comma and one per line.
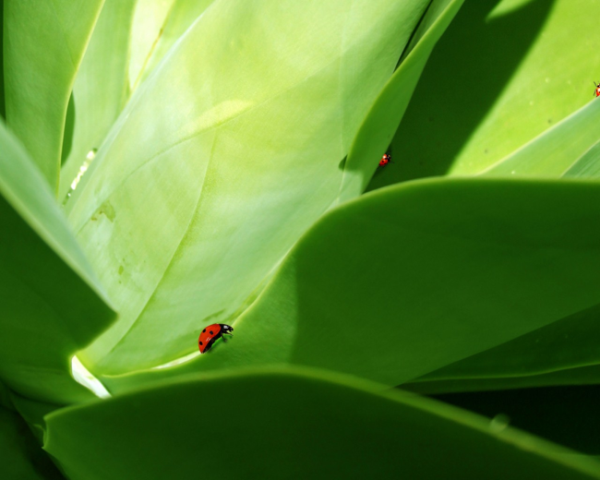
(211,332)
(204,330)
(200,343)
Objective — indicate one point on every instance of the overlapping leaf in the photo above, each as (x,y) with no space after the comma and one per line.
(503,74)
(381,123)
(43,46)
(50,302)
(101,89)
(223,157)
(412,278)
(269,423)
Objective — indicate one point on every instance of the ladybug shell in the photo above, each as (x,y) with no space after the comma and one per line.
(598,91)
(209,336)
(384,160)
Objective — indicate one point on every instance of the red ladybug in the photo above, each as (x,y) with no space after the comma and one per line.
(211,334)
(387,158)
(597,92)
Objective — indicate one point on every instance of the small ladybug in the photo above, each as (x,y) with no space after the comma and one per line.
(597,91)
(387,158)
(211,334)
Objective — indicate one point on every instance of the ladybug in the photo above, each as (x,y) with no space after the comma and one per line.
(211,334)
(387,158)
(597,91)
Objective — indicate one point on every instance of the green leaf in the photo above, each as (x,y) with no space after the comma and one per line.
(181,15)
(101,88)
(147,28)
(501,75)
(566,344)
(273,422)
(378,128)
(43,46)
(223,157)
(557,150)
(20,455)
(586,166)
(588,375)
(50,303)
(407,280)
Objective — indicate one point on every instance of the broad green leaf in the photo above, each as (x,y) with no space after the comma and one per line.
(43,45)
(101,88)
(380,124)
(588,375)
(503,73)
(20,455)
(409,279)
(557,150)
(270,423)
(33,412)
(148,22)
(182,14)
(586,166)
(2,102)
(50,303)
(565,344)
(223,157)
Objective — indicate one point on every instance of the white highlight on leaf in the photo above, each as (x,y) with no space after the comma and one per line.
(83,376)
(178,361)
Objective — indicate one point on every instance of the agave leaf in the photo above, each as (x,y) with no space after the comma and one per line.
(181,15)
(586,166)
(379,126)
(50,301)
(412,278)
(500,76)
(564,345)
(557,150)
(148,21)
(43,46)
(586,375)
(20,455)
(101,87)
(273,422)
(222,158)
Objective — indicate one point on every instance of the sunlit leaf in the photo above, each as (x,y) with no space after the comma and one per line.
(223,157)
(43,45)
(271,423)
(50,302)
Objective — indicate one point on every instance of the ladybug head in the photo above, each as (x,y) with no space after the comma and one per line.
(226,329)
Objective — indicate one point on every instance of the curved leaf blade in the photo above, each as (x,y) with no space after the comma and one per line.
(101,87)
(380,124)
(409,279)
(276,421)
(205,182)
(51,303)
(43,46)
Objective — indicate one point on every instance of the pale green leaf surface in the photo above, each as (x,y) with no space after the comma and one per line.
(409,279)
(586,166)
(503,73)
(181,16)
(588,375)
(50,301)
(277,423)
(380,124)
(148,21)
(101,86)
(557,150)
(43,46)
(223,157)
(20,455)
(566,344)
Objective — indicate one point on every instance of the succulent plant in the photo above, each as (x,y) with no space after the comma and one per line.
(170,164)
